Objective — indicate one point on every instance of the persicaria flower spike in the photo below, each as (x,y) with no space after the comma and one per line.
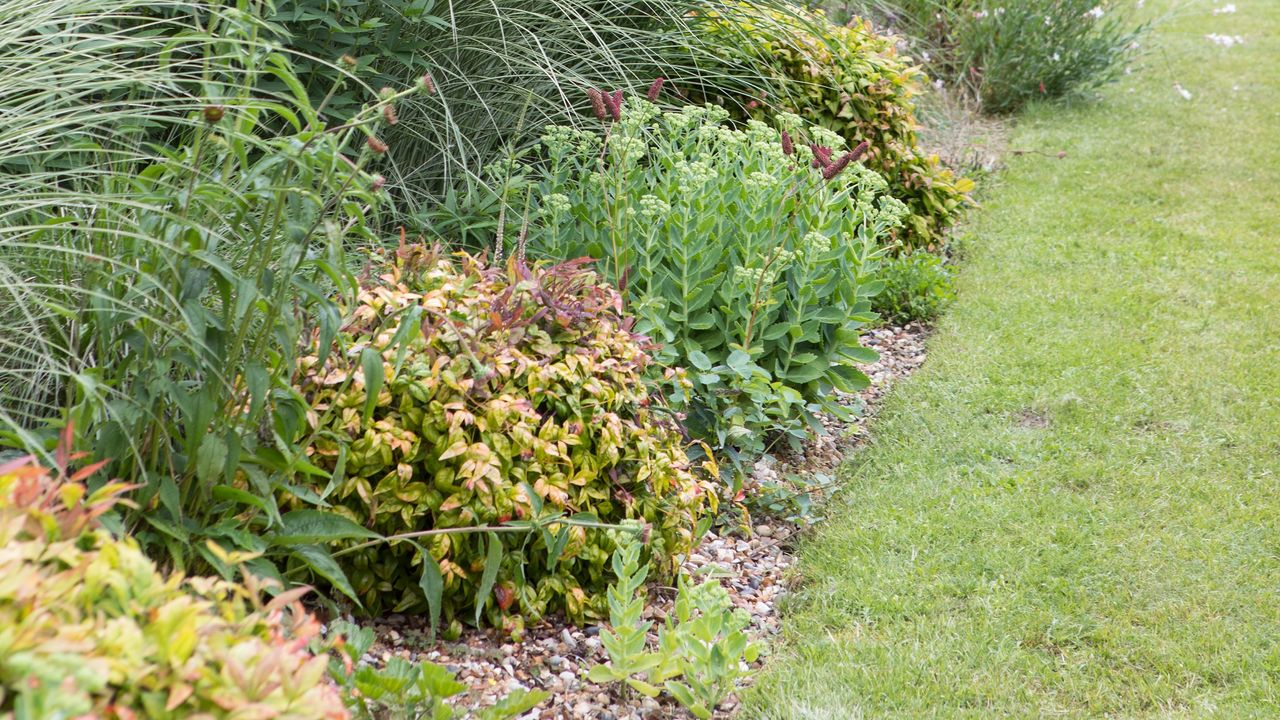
(389,114)
(615,105)
(429,84)
(349,61)
(375,145)
(787,147)
(838,166)
(821,155)
(378,182)
(597,103)
(656,89)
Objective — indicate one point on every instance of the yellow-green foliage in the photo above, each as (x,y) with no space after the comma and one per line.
(501,395)
(89,628)
(850,80)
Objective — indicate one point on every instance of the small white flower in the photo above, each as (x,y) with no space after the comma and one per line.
(1096,12)
(1225,40)
(1056,57)
(1225,9)
(1186,94)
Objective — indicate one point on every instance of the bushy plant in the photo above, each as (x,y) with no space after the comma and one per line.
(752,267)
(176,215)
(1021,51)
(850,80)
(486,419)
(91,629)
(1009,53)
(917,287)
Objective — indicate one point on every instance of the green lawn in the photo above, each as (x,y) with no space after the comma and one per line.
(1073,510)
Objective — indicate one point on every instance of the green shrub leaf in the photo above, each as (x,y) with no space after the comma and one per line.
(322,563)
(317,526)
(371,366)
(492,561)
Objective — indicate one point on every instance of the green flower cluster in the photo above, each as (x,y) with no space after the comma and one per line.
(751,267)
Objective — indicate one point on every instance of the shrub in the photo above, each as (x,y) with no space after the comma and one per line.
(1009,53)
(753,271)
(916,289)
(1041,48)
(511,402)
(91,629)
(851,81)
(171,226)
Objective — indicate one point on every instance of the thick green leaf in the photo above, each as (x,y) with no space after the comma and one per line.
(371,366)
(513,705)
(317,526)
(323,564)
(492,561)
(432,584)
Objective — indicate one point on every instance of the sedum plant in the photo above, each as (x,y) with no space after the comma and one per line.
(850,80)
(487,420)
(750,258)
(404,690)
(702,646)
(625,643)
(90,628)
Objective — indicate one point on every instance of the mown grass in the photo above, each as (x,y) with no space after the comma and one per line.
(1073,510)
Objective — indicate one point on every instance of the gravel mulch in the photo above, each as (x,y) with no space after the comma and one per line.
(555,657)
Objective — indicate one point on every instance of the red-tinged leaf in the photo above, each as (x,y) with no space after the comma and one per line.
(178,694)
(63,452)
(88,470)
(504,594)
(11,467)
(287,598)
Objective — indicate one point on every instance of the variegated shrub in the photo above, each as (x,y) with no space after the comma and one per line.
(491,417)
(90,629)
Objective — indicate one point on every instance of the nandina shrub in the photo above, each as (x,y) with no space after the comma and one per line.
(490,417)
(89,628)
(851,80)
(750,257)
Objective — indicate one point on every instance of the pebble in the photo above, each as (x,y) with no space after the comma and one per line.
(567,637)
